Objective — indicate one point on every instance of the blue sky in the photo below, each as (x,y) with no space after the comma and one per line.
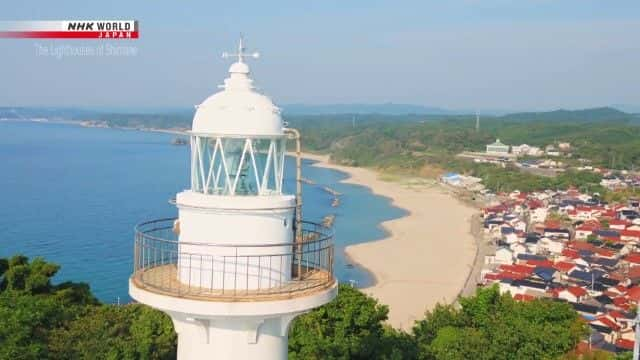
(458,54)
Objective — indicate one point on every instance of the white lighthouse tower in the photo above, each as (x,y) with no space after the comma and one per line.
(238,264)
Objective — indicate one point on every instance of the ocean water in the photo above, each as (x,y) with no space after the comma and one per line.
(73,195)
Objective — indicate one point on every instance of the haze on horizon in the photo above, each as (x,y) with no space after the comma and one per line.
(459,54)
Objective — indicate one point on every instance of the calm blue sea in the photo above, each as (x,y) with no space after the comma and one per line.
(73,195)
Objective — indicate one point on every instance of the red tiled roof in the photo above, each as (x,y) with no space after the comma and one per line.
(563,266)
(534,204)
(634,273)
(609,323)
(580,245)
(577,291)
(625,344)
(616,314)
(634,294)
(544,263)
(619,301)
(585,208)
(570,253)
(585,227)
(630,233)
(618,222)
(604,252)
(633,258)
(496,209)
(492,276)
(518,269)
(554,224)
(505,275)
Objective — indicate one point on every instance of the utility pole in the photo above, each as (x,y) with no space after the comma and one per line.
(477,122)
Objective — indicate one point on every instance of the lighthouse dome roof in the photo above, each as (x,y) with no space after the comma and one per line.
(238,109)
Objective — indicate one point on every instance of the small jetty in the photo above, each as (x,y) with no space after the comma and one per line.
(331,191)
(336,196)
(307,181)
(328,220)
(179,141)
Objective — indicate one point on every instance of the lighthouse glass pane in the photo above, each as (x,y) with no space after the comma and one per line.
(234,166)
(263,152)
(241,180)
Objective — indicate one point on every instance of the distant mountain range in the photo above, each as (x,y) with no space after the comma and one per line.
(382,109)
(585,115)
(182,117)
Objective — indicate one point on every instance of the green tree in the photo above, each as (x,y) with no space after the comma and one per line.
(494,326)
(39,320)
(25,321)
(115,332)
(458,343)
(426,330)
(592,239)
(349,327)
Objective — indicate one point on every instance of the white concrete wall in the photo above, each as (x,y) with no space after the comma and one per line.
(234,338)
(221,266)
(235,329)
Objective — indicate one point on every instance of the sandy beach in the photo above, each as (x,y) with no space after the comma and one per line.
(428,254)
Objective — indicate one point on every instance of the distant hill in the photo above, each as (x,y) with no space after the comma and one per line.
(628,108)
(51,113)
(382,109)
(586,115)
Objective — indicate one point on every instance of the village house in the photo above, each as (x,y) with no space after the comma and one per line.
(599,278)
(573,294)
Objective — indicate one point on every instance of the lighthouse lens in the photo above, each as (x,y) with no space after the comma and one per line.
(236,166)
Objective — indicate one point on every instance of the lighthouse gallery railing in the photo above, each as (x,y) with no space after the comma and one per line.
(205,270)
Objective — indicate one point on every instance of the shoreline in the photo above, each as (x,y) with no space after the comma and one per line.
(408,294)
(423,271)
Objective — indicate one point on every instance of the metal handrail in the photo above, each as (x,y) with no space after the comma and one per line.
(210,270)
(141,230)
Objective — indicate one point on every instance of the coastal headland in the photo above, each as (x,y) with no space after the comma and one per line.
(427,255)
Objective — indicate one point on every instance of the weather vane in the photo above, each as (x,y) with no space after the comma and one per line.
(241,54)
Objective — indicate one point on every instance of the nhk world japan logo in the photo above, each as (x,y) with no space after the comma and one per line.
(70,29)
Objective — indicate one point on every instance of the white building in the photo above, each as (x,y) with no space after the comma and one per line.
(564,146)
(238,264)
(538,215)
(497,148)
(526,150)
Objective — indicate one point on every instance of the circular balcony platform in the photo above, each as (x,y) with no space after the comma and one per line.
(163,280)
(232,273)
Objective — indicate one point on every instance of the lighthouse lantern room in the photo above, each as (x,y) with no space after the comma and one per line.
(238,263)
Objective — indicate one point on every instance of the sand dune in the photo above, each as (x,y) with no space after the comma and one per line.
(427,255)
